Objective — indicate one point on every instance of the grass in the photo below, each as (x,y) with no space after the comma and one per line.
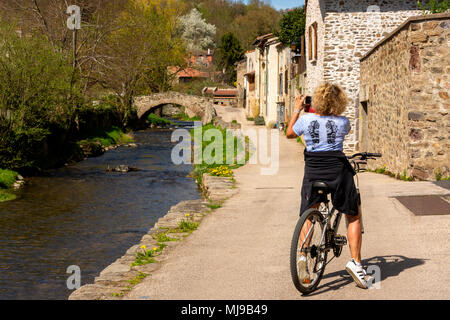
(163,237)
(220,164)
(107,137)
(145,256)
(397,176)
(6,196)
(405,177)
(184,117)
(214,205)
(438,176)
(7,180)
(138,279)
(187,226)
(157,121)
(133,282)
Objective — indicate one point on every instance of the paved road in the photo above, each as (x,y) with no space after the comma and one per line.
(241,251)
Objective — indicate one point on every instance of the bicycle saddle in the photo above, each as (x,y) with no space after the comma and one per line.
(320,185)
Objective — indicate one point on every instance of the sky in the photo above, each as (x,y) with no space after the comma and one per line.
(286,4)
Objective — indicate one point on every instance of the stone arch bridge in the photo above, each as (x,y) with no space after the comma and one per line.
(194,105)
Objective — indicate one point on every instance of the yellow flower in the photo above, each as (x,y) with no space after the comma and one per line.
(144,247)
(187,215)
(155,248)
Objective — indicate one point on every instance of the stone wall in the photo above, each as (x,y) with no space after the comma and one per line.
(315,13)
(346,31)
(405,88)
(241,68)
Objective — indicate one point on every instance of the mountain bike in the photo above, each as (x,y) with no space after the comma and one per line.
(316,235)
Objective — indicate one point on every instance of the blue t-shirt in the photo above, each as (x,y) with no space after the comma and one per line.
(322,133)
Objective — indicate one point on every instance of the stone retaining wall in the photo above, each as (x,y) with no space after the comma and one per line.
(404,98)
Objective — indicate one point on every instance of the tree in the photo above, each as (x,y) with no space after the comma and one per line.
(246,21)
(259,19)
(434,6)
(230,52)
(198,34)
(136,56)
(36,96)
(292,26)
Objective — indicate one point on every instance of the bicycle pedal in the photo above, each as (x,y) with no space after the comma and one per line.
(340,240)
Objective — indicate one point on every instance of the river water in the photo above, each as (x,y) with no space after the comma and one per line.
(81,215)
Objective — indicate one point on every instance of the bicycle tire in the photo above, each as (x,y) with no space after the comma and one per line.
(293,254)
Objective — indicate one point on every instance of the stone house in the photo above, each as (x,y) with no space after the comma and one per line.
(241,67)
(404,98)
(269,81)
(251,103)
(338,34)
(222,96)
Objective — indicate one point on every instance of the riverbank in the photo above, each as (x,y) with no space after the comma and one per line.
(141,260)
(85,216)
(93,145)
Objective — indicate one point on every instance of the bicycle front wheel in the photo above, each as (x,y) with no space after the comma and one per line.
(308,257)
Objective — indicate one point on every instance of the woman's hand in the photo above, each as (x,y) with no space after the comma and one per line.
(299,102)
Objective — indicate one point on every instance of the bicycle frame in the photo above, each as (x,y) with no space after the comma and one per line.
(325,244)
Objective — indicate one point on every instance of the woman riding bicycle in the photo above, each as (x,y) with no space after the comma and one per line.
(324,132)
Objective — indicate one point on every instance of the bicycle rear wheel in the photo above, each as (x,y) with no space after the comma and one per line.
(307,258)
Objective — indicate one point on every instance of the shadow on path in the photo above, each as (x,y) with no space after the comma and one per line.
(390,266)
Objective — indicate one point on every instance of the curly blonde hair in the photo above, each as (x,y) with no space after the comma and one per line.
(329,100)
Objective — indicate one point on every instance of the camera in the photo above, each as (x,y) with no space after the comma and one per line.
(307,104)
(308,100)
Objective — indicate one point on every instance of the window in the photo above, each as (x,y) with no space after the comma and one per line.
(280,91)
(286,82)
(313,40)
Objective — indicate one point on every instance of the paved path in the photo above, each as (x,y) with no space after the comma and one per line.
(241,251)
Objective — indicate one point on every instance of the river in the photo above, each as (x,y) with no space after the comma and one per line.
(81,215)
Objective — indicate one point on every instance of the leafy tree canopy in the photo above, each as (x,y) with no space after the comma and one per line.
(199,34)
(434,6)
(230,52)
(292,26)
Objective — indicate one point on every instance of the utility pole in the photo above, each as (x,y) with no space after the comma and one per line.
(74,24)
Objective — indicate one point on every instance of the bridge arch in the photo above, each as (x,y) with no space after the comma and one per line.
(194,105)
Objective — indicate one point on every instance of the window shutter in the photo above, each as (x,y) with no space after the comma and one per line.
(315,41)
(310,43)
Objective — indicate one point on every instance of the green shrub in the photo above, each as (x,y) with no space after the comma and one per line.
(259,121)
(157,121)
(37,96)
(106,137)
(434,6)
(7,178)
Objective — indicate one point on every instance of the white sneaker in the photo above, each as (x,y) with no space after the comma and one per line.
(302,269)
(357,272)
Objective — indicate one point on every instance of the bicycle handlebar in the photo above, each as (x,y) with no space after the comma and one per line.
(366,155)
